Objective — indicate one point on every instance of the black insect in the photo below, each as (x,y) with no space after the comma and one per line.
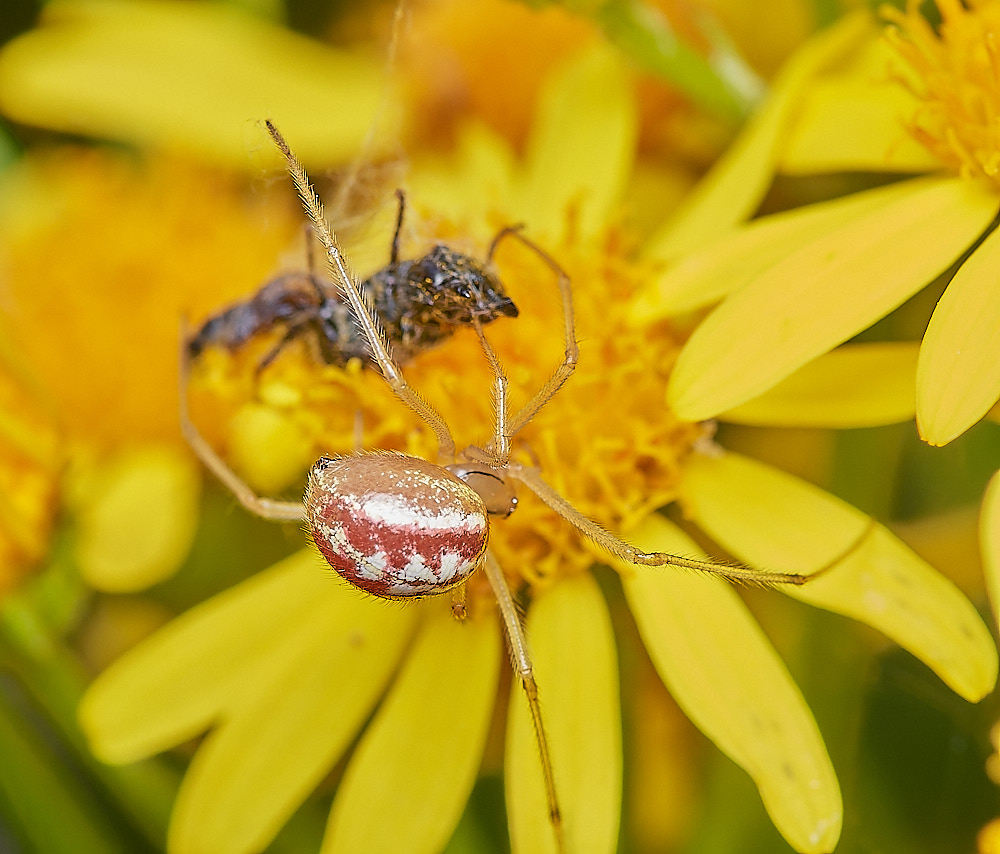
(420,301)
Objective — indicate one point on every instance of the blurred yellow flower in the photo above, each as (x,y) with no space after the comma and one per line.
(84,343)
(988,840)
(453,61)
(84,321)
(799,283)
(31,462)
(287,667)
(201,76)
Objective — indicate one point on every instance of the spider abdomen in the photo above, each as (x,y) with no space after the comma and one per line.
(393,525)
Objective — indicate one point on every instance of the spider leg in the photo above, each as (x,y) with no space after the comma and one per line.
(360,302)
(267,508)
(572,351)
(518,648)
(629,553)
(459,603)
(497,452)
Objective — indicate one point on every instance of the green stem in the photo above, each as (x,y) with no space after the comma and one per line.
(47,807)
(720,81)
(55,679)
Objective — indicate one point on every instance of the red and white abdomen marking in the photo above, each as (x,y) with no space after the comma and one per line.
(395,525)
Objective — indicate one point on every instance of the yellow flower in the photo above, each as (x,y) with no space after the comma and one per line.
(202,75)
(459,75)
(153,268)
(86,317)
(100,315)
(30,462)
(286,668)
(801,282)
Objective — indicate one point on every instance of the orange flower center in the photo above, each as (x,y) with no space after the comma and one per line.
(958,81)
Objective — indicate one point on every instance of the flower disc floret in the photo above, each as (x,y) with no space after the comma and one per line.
(957,80)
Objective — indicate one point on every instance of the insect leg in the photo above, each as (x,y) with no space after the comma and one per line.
(394,252)
(295,329)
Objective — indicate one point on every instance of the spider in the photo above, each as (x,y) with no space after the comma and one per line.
(401,527)
(420,302)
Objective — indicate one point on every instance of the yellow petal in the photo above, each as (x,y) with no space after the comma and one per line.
(171,687)
(199,76)
(576,667)
(856,118)
(825,292)
(290,451)
(711,273)
(735,186)
(857,385)
(958,375)
(443,698)
(726,676)
(474,182)
(989,541)
(282,732)
(137,520)
(770,519)
(582,144)
(855,125)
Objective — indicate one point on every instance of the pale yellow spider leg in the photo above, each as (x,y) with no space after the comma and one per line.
(459,603)
(497,452)
(340,271)
(572,351)
(629,553)
(268,508)
(518,647)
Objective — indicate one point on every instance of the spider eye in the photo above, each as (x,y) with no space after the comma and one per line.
(464,291)
(323,463)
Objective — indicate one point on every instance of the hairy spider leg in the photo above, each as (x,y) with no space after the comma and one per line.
(571,354)
(517,646)
(372,330)
(314,323)
(360,302)
(267,508)
(497,453)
